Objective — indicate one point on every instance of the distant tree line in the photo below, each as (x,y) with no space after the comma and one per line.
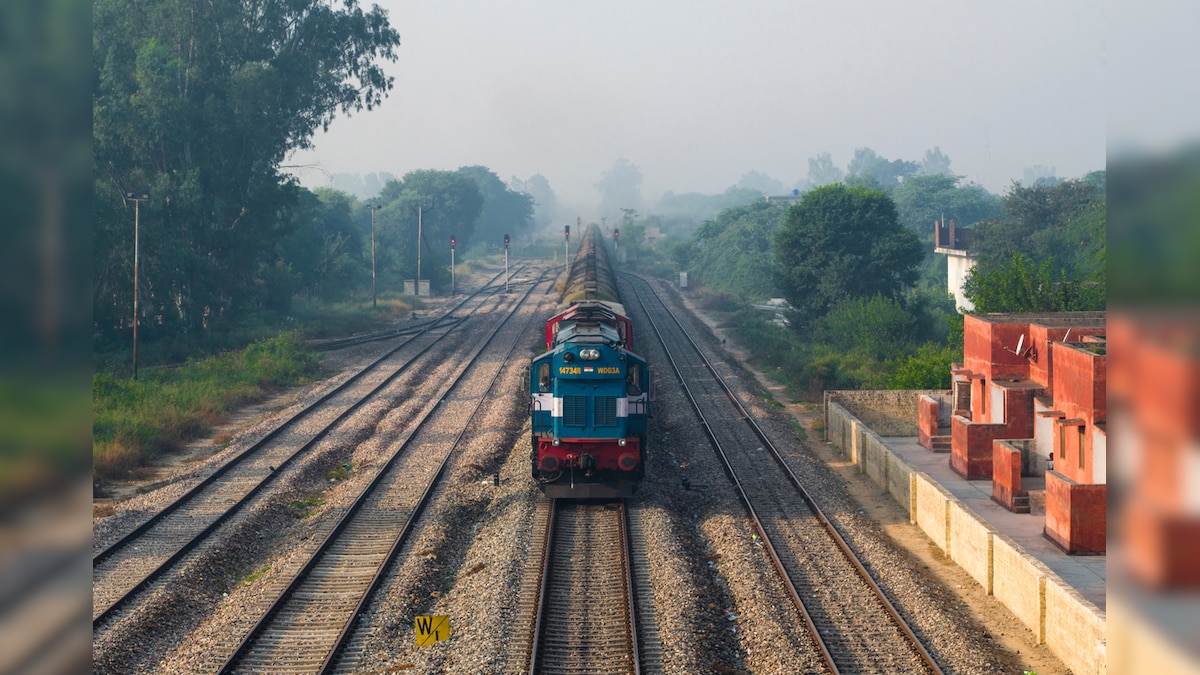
(195,106)
(854,259)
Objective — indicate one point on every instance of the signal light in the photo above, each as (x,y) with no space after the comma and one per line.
(506,241)
(567,231)
(453,240)
(616,233)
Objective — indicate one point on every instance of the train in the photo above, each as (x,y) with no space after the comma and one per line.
(590,392)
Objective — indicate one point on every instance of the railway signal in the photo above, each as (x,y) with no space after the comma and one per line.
(505,263)
(567,247)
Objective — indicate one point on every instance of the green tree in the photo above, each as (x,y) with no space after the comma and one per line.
(447,202)
(926,198)
(822,170)
(1023,285)
(546,210)
(1035,222)
(877,327)
(732,253)
(325,246)
(869,169)
(196,104)
(840,242)
(935,163)
(504,211)
(926,368)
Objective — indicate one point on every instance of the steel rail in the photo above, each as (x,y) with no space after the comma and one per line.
(737,483)
(849,553)
(347,631)
(347,518)
(221,471)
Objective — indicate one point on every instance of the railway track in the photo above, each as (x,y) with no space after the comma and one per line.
(134,563)
(312,622)
(854,624)
(414,328)
(585,618)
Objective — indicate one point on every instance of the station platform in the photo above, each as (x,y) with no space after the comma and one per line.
(1087,574)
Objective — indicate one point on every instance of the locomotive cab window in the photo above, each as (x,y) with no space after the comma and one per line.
(633,380)
(544,377)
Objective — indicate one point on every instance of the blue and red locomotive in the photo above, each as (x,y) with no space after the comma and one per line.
(589,390)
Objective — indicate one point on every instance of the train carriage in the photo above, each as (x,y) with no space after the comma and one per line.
(589,391)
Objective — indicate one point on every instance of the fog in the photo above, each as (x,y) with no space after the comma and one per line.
(698,94)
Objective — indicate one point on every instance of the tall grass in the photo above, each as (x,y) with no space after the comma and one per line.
(135,421)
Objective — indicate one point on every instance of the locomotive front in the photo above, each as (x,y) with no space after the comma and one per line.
(589,405)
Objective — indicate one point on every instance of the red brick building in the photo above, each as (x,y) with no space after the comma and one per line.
(1039,377)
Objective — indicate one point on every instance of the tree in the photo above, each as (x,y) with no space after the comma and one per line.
(926,368)
(546,210)
(697,208)
(733,252)
(868,168)
(760,182)
(196,104)
(935,163)
(1039,175)
(1023,285)
(447,202)
(926,198)
(620,188)
(504,211)
(840,242)
(1037,221)
(822,171)
(877,327)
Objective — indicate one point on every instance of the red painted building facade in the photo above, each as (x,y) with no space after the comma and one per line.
(1039,377)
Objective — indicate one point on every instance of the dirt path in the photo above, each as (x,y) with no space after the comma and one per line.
(1003,628)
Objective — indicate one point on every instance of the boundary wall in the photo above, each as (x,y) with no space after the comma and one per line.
(1059,617)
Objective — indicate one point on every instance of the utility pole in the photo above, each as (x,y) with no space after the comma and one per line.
(420,214)
(374,300)
(137,200)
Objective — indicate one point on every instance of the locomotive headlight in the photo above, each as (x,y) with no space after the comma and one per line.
(620,441)
(555,441)
(589,354)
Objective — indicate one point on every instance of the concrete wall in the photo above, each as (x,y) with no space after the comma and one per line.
(931,506)
(868,451)
(1071,627)
(1074,628)
(1019,583)
(971,543)
(888,412)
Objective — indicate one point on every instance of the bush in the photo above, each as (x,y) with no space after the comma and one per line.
(927,368)
(135,421)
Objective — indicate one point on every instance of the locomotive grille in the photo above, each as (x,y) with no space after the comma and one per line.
(606,411)
(574,411)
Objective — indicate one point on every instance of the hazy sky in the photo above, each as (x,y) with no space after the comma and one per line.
(696,93)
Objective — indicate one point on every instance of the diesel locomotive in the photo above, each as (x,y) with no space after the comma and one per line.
(590,392)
